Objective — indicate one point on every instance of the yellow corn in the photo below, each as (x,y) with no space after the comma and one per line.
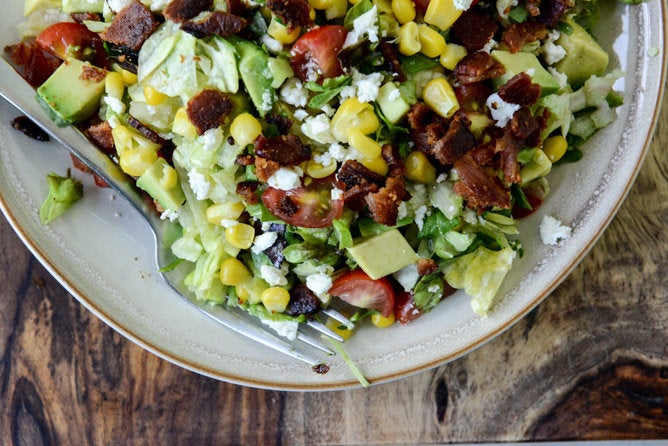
(404,10)
(440,97)
(153,97)
(452,55)
(228,210)
(182,125)
(337,10)
(442,14)
(377,165)
(409,39)
(363,144)
(353,114)
(338,328)
(233,272)
(381,321)
(114,85)
(122,138)
(555,147)
(128,77)
(240,235)
(135,161)
(419,169)
(169,177)
(245,129)
(317,170)
(432,43)
(321,4)
(275,299)
(280,32)
(251,290)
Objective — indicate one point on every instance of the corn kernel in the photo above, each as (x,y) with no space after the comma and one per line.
(275,299)
(321,4)
(452,55)
(129,78)
(440,97)
(353,114)
(169,177)
(122,138)
(251,290)
(280,32)
(240,235)
(182,125)
(337,10)
(419,169)
(555,147)
(363,144)
(228,210)
(377,165)
(404,10)
(153,97)
(338,328)
(245,129)
(409,39)
(135,161)
(114,85)
(233,272)
(432,43)
(442,14)
(317,170)
(382,321)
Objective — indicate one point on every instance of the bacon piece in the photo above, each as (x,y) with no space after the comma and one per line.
(384,204)
(208,110)
(474,29)
(286,150)
(216,23)
(533,7)
(519,34)
(457,141)
(551,11)
(180,11)
(131,26)
(480,191)
(283,124)
(523,124)
(510,165)
(394,161)
(520,90)
(353,173)
(246,190)
(32,62)
(484,153)
(101,136)
(302,301)
(244,160)
(235,7)
(93,74)
(293,13)
(391,56)
(86,16)
(426,267)
(265,168)
(476,67)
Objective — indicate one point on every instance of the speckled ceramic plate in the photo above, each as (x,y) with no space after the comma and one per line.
(101,250)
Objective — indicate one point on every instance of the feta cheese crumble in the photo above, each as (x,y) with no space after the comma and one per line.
(294,93)
(287,329)
(273,276)
(199,184)
(286,178)
(552,230)
(364,24)
(264,241)
(319,283)
(502,111)
(552,52)
(462,5)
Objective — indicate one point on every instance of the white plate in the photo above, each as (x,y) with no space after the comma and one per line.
(101,250)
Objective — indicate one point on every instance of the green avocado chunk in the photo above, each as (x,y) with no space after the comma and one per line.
(584,56)
(72,94)
(71,6)
(383,254)
(391,103)
(153,182)
(516,63)
(256,75)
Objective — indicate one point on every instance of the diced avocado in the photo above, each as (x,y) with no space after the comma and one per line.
(160,181)
(256,75)
(516,63)
(71,6)
(391,103)
(31,6)
(539,166)
(383,254)
(281,69)
(584,56)
(72,93)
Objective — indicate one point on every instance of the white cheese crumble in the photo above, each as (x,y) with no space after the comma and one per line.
(365,24)
(318,129)
(287,329)
(462,5)
(502,111)
(212,139)
(273,276)
(552,230)
(560,77)
(420,214)
(116,105)
(169,215)
(294,93)
(503,7)
(300,114)
(273,45)
(319,283)
(552,52)
(338,152)
(117,5)
(489,46)
(199,184)
(324,159)
(364,86)
(336,194)
(286,178)
(264,241)
(407,276)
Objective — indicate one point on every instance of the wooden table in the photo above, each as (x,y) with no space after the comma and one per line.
(591,362)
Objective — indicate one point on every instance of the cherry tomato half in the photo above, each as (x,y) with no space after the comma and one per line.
(318,50)
(307,206)
(360,290)
(71,39)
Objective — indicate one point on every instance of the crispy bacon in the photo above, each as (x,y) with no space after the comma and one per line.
(442,141)
(481,191)
(520,90)
(474,30)
(101,136)
(286,150)
(246,190)
(265,168)
(519,34)
(353,173)
(384,204)
(86,16)
(510,165)
(216,23)
(131,26)
(551,11)
(532,7)
(523,124)
(294,13)
(476,67)
(394,161)
(426,267)
(457,141)
(180,11)
(33,63)
(392,62)
(208,109)
(283,124)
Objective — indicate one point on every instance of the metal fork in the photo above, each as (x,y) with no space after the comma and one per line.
(17,92)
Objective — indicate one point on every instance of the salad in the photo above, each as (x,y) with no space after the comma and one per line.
(374,156)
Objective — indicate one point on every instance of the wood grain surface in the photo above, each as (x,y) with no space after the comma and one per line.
(591,362)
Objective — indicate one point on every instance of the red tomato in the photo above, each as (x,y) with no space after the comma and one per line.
(71,39)
(318,50)
(308,206)
(360,290)
(405,310)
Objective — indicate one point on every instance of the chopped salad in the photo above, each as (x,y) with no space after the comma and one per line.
(373,155)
